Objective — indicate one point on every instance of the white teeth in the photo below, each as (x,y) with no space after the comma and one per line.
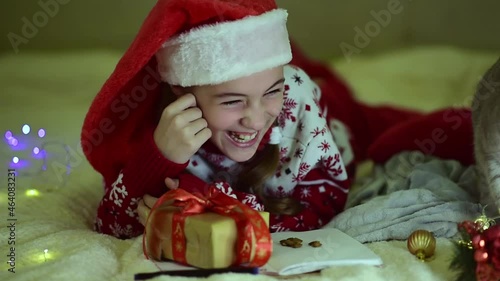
(242,138)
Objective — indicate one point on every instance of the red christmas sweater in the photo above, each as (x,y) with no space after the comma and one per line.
(315,165)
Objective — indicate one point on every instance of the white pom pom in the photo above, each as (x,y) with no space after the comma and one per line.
(275,137)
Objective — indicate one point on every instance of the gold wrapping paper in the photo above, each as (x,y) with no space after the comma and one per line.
(210,239)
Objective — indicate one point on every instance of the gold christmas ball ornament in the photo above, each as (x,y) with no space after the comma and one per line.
(422,244)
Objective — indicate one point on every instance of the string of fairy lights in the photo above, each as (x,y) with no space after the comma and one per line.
(31,154)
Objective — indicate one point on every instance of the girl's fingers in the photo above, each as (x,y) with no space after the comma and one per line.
(149,200)
(143,212)
(172,183)
(198,125)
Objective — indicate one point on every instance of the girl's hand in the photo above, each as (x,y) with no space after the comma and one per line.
(144,207)
(148,202)
(182,130)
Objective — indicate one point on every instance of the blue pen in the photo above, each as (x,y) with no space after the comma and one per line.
(196,272)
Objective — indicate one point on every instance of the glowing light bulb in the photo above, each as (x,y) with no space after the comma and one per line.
(45,253)
(15,160)
(13,141)
(32,192)
(36,150)
(26,129)
(41,133)
(8,135)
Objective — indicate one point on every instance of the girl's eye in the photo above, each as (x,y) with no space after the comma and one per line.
(236,102)
(229,103)
(272,93)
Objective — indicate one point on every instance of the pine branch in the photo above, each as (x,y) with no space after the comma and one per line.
(463,263)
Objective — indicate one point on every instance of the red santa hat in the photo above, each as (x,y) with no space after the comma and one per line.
(185,43)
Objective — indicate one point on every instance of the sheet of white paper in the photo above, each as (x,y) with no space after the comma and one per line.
(337,249)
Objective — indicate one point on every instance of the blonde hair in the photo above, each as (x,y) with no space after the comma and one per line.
(255,171)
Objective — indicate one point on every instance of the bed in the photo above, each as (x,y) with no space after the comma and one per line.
(56,198)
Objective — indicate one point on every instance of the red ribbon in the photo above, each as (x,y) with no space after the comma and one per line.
(182,204)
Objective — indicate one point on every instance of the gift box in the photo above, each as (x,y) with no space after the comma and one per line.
(210,231)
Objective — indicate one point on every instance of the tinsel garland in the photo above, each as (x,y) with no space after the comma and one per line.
(477,254)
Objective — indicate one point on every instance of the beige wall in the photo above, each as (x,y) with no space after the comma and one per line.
(320,26)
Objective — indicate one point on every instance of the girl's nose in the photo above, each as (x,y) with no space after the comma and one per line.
(254,119)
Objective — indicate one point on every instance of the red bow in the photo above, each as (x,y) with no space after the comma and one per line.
(181,203)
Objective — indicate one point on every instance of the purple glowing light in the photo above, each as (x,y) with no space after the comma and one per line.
(41,133)
(15,160)
(8,135)
(26,129)
(13,142)
(36,150)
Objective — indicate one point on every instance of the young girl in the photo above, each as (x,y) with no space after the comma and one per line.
(205,96)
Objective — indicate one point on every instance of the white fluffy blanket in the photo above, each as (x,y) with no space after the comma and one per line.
(54,210)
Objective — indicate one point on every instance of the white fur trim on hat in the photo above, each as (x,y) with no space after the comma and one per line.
(226,51)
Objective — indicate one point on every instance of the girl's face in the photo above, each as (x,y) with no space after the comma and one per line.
(239,112)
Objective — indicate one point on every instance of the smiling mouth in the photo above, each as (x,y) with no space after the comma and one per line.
(242,138)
